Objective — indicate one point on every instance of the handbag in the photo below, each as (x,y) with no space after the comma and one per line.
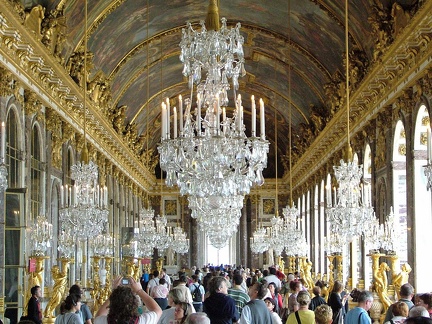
(339,319)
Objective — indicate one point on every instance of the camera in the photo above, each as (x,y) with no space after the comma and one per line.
(125,281)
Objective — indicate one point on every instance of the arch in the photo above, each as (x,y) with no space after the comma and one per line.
(399,171)
(14,145)
(37,178)
(422,221)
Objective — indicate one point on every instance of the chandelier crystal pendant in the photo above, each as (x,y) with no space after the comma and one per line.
(66,244)
(163,235)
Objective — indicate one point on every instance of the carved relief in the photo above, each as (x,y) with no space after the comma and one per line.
(100,93)
(117,116)
(380,21)
(400,18)
(6,84)
(32,104)
(75,66)
(33,20)
(53,124)
(54,32)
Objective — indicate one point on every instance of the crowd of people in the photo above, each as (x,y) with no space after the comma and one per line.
(221,295)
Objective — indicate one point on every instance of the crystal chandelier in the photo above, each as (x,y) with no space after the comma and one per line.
(293,234)
(147,233)
(84,206)
(102,245)
(163,235)
(66,244)
(209,154)
(277,235)
(41,236)
(180,243)
(334,243)
(350,212)
(259,241)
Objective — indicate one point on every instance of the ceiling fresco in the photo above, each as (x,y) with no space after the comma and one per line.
(136,46)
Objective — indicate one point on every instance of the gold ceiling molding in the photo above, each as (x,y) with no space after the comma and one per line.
(405,61)
(34,66)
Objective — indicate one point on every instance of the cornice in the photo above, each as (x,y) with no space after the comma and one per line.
(33,65)
(404,62)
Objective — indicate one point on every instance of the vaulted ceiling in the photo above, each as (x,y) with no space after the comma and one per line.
(136,46)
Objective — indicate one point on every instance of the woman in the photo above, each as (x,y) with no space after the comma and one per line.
(122,305)
(181,312)
(323,314)
(175,296)
(271,305)
(425,300)
(317,300)
(69,310)
(276,296)
(336,302)
(400,313)
(303,315)
(295,287)
(160,293)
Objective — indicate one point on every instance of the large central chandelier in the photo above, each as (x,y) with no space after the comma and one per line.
(206,152)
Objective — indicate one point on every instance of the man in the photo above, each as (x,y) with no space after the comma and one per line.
(153,282)
(273,278)
(182,285)
(34,311)
(220,307)
(237,293)
(198,318)
(166,277)
(255,311)
(406,294)
(198,292)
(359,315)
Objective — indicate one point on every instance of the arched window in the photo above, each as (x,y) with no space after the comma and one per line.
(422,222)
(36,173)
(13,151)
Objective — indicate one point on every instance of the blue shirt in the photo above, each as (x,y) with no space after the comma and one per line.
(357,315)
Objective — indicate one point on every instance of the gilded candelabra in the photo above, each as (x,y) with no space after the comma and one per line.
(97,289)
(339,273)
(331,272)
(60,281)
(281,264)
(291,264)
(380,280)
(35,278)
(107,289)
(128,263)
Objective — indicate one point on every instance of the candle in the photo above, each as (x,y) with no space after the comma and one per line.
(61,196)
(175,122)
(334,194)
(262,119)
(168,130)
(217,116)
(163,121)
(181,114)
(106,196)
(253,116)
(3,141)
(66,195)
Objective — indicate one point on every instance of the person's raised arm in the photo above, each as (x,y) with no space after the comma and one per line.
(146,299)
(103,310)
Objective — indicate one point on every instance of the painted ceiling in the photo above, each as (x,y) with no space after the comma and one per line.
(136,46)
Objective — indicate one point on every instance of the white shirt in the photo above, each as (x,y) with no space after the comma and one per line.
(145,318)
(273,278)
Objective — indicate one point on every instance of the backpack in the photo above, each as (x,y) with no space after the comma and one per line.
(197,295)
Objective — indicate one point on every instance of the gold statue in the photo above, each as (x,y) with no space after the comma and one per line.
(60,281)
(381,283)
(401,278)
(307,275)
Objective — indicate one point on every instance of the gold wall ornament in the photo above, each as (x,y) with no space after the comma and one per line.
(97,289)
(6,83)
(269,205)
(35,278)
(170,207)
(33,20)
(54,32)
(54,126)
(402,149)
